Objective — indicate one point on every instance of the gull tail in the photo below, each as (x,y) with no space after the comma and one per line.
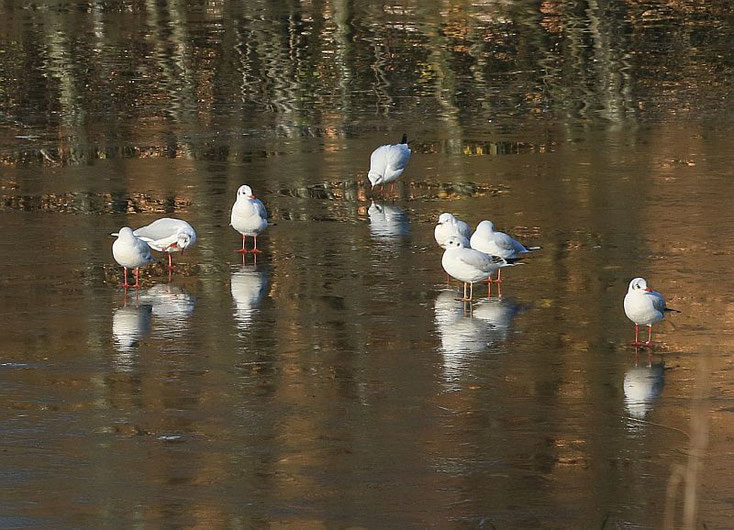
(670,310)
(533,248)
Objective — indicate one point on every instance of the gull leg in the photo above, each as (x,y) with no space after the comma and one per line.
(125,285)
(255,249)
(242,250)
(170,263)
(137,278)
(637,342)
(649,335)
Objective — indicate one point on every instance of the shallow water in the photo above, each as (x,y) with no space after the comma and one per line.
(337,381)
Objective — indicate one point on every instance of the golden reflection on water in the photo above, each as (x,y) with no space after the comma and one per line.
(336,382)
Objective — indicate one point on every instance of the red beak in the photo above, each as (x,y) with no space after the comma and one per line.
(648,290)
(251,196)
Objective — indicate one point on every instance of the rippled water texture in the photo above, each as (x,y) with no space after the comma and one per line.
(335,381)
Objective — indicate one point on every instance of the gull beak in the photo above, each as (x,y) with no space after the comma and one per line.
(251,196)
(648,290)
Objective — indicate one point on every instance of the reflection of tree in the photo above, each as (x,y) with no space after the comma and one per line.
(160,87)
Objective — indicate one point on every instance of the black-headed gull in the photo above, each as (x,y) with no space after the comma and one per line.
(249,217)
(643,306)
(388,162)
(487,239)
(131,252)
(167,235)
(469,265)
(448,226)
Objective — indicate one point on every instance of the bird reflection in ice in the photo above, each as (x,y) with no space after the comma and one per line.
(467,330)
(642,386)
(387,221)
(130,324)
(249,286)
(171,307)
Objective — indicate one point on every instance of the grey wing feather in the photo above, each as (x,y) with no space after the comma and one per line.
(505,242)
(658,302)
(478,259)
(463,229)
(160,229)
(260,208)
(397,156)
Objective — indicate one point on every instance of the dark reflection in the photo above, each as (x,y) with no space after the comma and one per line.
(172,308)
(131,323)
(249,285)
(388,221)
(642,386)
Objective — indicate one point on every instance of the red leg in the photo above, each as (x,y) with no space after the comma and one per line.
(255,249)
(137,277)
(499,276)
(170,262)
(125,285)
(637,336)
(649,335)
(242,250)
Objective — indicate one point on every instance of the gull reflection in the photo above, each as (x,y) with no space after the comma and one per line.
(249,286)
(387,221)
(642,386)
(130,324)
(171,307)
(466,330)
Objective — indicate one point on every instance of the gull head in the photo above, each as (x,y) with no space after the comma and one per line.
(245,191)
(446,218)
(454,242)
(183,239)
(485,227)
(638,284)
(125,232)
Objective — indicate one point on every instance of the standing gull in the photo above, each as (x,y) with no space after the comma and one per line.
(469,265)
(249,217)
(167,235)
(131,252)
(643,306)
(486,239)
(448,226)
(388,162)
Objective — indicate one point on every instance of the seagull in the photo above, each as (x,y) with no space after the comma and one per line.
(167,235)
(448,226)
(643,306)
(486,239)
(249,217)
(131,252)
(388,162)
(469,265)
